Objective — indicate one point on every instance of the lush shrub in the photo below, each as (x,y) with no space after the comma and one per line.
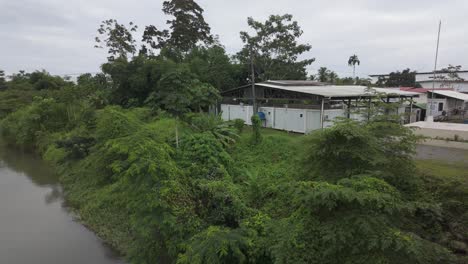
(256,125)
(113,122)
(76,147)
(215,125)
(352,148)
(346,223)
(204,156)
(239,124)
(54,154)
(217,245)
(25,125)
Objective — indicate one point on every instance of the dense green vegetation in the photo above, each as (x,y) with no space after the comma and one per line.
(338,195)
(163,182)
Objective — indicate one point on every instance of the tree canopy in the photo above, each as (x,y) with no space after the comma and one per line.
(404,78)
(117,38)
(275,49)
(187,28)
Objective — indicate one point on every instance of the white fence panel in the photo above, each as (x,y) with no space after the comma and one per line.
(289,119)
(280,118)
(249,114)
(269,116)
(312,120)
(225,112)
(296,120)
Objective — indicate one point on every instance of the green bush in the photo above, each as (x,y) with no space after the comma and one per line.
(239,124)
(215,125)
(113,122)
(24,126)
(256,126)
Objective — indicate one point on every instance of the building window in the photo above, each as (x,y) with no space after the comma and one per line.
(441,107)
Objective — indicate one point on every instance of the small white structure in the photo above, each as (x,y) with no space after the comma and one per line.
(302,106)
(448,102)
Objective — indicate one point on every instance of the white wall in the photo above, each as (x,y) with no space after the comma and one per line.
(289,119)
(433,106)
(422,99)
(459,86)
(426,81)
(231,112)
(428,76)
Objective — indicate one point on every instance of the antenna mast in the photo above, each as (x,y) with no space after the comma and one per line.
(434,73)
(252,69)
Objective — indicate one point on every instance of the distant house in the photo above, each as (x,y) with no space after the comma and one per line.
(426,80)
(451,103)
(302,106)
(443,102)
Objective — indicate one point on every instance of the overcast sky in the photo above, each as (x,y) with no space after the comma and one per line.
(389,35)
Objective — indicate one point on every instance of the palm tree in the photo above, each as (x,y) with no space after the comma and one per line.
(332,77)
(352,61)
(322,74)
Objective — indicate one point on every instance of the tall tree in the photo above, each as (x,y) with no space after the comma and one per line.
(352,61)
(275,48)
(117,38)
(187,28)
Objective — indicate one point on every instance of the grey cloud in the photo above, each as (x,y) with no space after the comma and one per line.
(387,35)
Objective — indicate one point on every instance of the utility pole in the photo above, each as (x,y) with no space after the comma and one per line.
(252,69)
(430,117)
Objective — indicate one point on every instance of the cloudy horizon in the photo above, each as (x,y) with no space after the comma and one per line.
(386,35)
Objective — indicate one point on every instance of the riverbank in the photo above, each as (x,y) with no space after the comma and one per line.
(222,188)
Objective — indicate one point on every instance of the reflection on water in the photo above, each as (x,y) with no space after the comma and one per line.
(29,165)
(35,226)
(35,169)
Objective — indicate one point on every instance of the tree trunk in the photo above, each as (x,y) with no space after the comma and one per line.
(354,73)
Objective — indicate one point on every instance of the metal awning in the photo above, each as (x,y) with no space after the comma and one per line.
(340,91)
(452,94)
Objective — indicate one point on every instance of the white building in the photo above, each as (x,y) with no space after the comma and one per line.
(303,106)
(426,80)
(449,102)
(445,102)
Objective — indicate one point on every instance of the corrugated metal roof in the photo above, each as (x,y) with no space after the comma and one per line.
(295,83)
(453,94)
(338,90)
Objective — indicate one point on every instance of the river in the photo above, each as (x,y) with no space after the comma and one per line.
(35,224)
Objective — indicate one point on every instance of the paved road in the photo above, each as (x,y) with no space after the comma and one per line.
(441,153)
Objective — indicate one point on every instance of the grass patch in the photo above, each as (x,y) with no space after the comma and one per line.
(456,170)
